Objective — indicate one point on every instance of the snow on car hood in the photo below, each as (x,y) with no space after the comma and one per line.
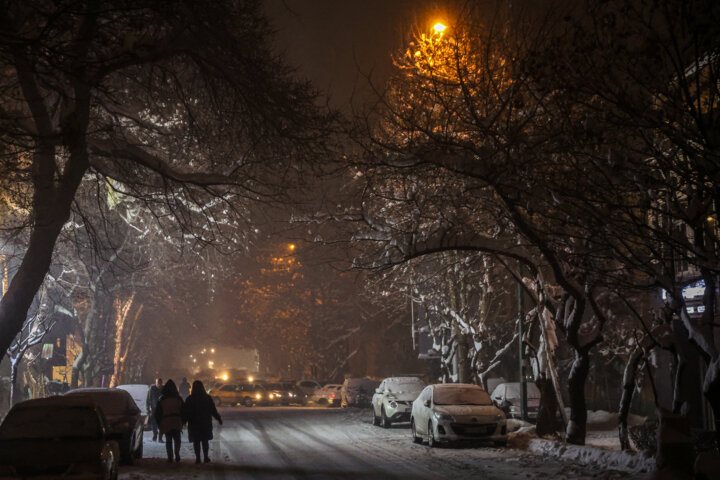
(481,412)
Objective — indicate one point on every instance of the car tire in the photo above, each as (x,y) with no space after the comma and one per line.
(139,450)
(248,402)
(217,401)
(432,443)
(384,420)
(414,434)
(376,419)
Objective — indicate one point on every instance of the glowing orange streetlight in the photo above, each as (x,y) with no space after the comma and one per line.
(439,27)
(291,246)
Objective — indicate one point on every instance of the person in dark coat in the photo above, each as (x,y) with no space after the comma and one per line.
(153,396)
(168,416)
(199,410)
(184,389)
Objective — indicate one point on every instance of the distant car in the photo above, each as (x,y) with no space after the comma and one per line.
(247,394)
(507,397)
(283,393)
(58,437)
(307,387)
(327,395)
(123,417)
(358,391)
(393,399)
(138,392)
(453,412)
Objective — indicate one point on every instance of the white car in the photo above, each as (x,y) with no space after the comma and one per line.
(393,400)
(327,395)
(452,412)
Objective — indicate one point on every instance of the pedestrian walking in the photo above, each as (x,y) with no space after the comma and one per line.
(168,416)
(199,410)
(153,396)
(184,389)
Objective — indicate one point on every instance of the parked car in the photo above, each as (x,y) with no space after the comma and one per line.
(123,417)
(393,399)
(455,412)
(138,392)
(507,397)
(57,437)
(247,394)
(307,387)
(327,395)
(283,393)
(358,391)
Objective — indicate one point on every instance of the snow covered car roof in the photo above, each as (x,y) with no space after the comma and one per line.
(138,392)
(53,417)
(114,402)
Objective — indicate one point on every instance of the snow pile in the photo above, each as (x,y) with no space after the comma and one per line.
(521,437)
(602,420)
(596,457)
(514,424)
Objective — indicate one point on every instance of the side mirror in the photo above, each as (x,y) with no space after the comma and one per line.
(426,403)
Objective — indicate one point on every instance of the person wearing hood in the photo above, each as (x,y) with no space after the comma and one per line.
(184,389)
(198,412)
(168,416)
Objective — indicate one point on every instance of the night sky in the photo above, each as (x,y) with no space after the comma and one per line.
(335,42)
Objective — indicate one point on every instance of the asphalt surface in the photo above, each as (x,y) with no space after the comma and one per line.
(312,443)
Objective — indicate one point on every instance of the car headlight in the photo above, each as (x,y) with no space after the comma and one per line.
(393,404)
(258,396)
(271,396)
(444,416)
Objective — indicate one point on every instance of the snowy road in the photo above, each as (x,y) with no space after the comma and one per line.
(306,443)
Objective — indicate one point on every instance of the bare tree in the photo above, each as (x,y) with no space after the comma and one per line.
(179,104)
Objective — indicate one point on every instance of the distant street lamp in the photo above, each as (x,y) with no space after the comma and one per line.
(291,246)
(439,27)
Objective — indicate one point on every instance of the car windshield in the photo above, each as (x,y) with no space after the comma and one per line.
(405,385)
(513,391)
(55,422)
(461,396)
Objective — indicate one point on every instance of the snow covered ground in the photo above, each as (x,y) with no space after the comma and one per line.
(280,443)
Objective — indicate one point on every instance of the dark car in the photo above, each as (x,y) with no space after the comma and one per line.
(284,393)
(123,416)
(57,437)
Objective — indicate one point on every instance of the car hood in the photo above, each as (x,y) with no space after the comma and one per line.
(483,413)
(403,396)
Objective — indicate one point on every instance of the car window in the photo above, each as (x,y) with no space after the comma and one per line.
(308,384)
(382,386)
(227,388)
(55,422)
(461,396)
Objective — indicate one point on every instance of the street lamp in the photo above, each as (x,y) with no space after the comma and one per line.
(439,27)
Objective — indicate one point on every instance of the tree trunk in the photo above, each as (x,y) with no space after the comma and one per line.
(14,364)
(577,427)
(627,394)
